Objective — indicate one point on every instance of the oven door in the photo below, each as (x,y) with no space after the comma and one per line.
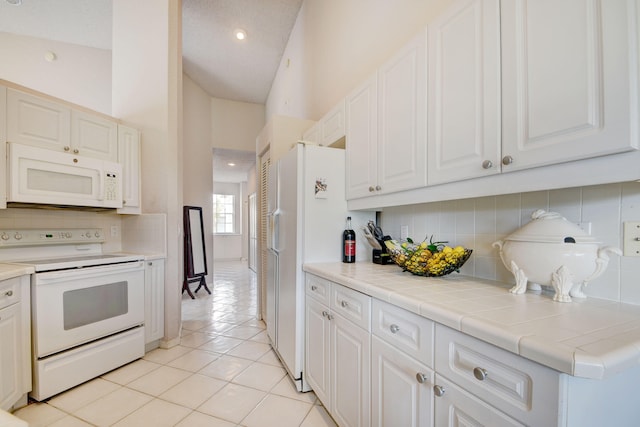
(72,307)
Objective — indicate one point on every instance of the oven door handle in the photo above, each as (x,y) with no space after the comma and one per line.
(56,276)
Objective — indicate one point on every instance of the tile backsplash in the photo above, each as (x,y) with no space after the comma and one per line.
(477,223)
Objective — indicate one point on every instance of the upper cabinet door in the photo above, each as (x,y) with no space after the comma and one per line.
(362,140)
(570,80)
(402,148)
(94,136)
(332,125)
(464,92)
(38,122)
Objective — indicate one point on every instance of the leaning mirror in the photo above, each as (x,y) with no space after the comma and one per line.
(195,258)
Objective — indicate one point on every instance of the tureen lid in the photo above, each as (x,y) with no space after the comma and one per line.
(550,227)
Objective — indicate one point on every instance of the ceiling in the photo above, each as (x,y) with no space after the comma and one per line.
(220,64)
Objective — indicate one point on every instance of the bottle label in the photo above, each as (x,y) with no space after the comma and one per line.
(350,247)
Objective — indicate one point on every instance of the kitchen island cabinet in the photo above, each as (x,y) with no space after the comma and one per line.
(15,341)
(505,359)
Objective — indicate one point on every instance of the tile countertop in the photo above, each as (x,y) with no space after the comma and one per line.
(589,338)
(9,271)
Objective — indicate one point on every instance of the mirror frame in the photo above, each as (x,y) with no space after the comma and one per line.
(195,254)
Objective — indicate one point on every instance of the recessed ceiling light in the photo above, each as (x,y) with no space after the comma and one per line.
(231,164)
(240,33)
(14,2)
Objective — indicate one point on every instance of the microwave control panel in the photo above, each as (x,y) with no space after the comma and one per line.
(111,186)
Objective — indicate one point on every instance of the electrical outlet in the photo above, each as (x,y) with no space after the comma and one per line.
(114,231)
(631,239)
(585,226)
(404,232)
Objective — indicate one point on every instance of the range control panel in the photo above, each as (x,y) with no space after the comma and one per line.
(37,237)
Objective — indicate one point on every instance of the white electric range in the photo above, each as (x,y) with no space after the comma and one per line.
(87,306)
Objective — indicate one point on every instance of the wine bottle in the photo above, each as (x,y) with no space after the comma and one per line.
(349,243)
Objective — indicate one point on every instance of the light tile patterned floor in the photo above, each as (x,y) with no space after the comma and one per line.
(222,374)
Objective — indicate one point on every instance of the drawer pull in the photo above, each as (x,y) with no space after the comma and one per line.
(9,293)
(438,390)
(480,374)
(314,288)
(422,378)
(394,328)
(344,304)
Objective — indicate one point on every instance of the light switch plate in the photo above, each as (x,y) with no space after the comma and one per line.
(631,238)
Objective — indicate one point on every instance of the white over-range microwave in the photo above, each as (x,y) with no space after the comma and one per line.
(46,177)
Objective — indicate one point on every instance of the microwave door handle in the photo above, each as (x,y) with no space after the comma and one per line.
(101,186)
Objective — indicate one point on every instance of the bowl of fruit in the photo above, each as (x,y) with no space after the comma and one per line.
(431,259)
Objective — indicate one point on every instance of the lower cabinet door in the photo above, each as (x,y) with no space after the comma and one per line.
(456,407)
(350,373)
(401,388)
(11,356)
(317,351)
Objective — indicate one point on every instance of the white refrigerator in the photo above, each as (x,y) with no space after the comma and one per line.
(307,213)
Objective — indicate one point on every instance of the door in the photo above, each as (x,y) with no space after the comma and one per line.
(402,162)
(398,396)
(569,76)
(362,140)
(464,92)
(73,307)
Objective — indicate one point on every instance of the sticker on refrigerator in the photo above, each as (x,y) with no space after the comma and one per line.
(321,188)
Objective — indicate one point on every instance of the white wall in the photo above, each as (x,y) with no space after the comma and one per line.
(336,44)
(235,125)
(81,75)
(197,173)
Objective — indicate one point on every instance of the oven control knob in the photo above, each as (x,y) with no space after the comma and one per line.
(4,236)
(17,236)
(88,234)
(67,235)
(97,234)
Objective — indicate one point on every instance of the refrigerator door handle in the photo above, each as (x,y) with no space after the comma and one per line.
(275,232)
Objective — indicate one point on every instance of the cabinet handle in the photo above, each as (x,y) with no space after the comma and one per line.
(324,313)
(394,328)
(378,188)
(371,189)
(422,378)
(344,304)
(150,263)
(438,390)
(480,374)
(67,148)
(314,287)
(330,317)
(507,160)
(9,293)
(487,164)
(75,151)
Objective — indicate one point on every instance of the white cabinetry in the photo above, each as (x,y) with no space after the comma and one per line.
(332,125)
(129,158)
(464,92)
(569,80)
(386,131)
(15,341)
(37,121)
(556,76)
(3,146)
(154,301)
(338,350)
(402,377)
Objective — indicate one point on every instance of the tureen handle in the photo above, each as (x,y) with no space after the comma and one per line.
(603,260)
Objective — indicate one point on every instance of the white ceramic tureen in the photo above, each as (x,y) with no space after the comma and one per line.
(550,250)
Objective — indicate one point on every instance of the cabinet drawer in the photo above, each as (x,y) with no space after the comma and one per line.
(519,387)
(455,407)
(9,292)
(318,288)
(404,330)
(351,305)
